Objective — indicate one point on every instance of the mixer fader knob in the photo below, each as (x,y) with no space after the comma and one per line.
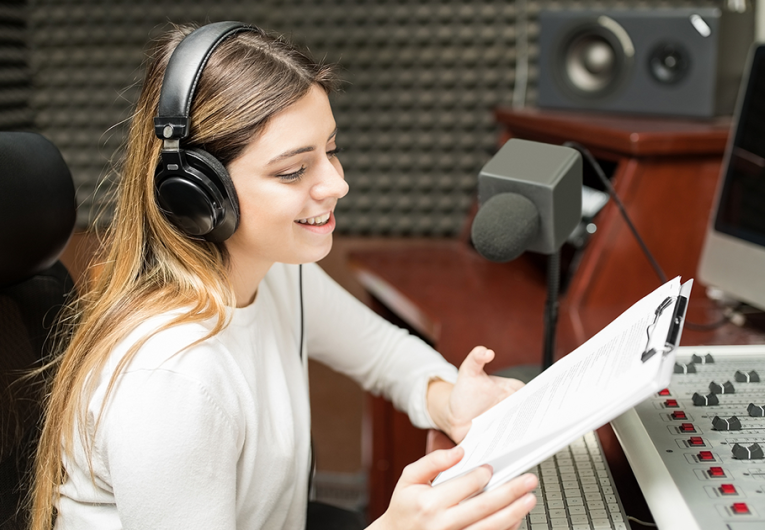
(682,368)
(751,377)
(726,388)
(755,411)
(732,424)
(752,452)
(705,401)
(707,359)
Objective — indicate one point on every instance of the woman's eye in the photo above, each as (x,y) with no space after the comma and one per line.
(334,152)
(291,177)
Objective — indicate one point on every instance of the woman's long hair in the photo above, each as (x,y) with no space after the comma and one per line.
(145,266)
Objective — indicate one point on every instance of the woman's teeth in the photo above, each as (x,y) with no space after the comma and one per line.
(316,221)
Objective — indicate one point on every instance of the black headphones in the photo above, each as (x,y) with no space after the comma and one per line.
(192,187)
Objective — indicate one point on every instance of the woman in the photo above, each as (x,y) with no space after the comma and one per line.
(181,400)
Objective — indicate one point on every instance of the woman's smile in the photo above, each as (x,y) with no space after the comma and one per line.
(321,224)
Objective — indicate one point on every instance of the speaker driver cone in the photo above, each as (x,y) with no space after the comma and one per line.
(594,58)
(591,63)
(668,63)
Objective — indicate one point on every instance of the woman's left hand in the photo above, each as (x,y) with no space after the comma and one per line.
(454,407)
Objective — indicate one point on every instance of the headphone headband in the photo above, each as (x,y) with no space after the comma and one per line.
(193,189)
(182,75)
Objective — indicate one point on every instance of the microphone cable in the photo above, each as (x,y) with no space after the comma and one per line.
(654,264)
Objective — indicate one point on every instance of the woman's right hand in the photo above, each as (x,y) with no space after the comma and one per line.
(418,505)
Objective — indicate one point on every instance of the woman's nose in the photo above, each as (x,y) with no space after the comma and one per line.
(332,182)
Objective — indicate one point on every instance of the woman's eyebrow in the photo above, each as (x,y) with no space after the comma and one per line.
(298,151)
(290,153)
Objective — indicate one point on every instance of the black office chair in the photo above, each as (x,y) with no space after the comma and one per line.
(37,215)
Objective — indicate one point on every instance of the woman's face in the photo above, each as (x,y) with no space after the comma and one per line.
(288,181)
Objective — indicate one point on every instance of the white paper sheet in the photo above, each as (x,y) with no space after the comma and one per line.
(581,392)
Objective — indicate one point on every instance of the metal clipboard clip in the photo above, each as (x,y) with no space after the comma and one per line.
(675,326)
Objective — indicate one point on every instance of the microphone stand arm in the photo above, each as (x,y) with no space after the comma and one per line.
(551,308)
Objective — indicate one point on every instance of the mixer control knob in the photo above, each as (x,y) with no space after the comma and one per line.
(682,368)
(752,452)
(707,359)
(705,401)
(751,377)
(726,388)
(755,411)
(732,424)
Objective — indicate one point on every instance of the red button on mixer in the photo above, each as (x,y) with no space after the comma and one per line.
(671,403)
(687,427)
(739,508)
(696,441)
(706,456)
(664,392)
(728,489)
(716,472)
(679,415)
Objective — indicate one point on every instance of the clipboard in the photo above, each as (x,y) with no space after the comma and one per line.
(584,390)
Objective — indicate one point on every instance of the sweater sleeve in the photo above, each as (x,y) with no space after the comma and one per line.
(171,447)
(346,335)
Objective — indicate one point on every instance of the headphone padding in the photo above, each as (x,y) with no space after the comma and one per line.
(220,173)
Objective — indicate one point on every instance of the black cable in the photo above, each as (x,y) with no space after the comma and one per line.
(551,308)
(612,192)
(656,267)
(302,320)
(312,465)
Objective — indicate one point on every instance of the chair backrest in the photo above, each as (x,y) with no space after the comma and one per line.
(37,216)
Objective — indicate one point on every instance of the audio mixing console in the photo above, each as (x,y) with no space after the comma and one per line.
(696,448)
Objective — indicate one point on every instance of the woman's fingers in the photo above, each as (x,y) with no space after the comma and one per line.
(424,470)
(458,489)
(508,517)
(476,360)
(498,508)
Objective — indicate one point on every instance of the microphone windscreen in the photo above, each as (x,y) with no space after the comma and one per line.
(504,226)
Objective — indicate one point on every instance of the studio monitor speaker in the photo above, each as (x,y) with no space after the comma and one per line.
(672,62)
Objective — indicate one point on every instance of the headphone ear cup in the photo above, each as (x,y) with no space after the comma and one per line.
(197,195)
(219,174)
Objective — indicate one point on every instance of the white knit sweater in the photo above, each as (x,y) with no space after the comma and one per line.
(218,436)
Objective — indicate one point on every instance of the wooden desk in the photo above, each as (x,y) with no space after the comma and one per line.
(665,172)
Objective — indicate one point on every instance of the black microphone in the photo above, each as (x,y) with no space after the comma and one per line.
(504,227)
(530,198)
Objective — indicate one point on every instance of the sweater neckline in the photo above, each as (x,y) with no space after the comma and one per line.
(245,316)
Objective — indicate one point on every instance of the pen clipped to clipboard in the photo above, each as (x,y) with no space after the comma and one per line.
(676,326)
